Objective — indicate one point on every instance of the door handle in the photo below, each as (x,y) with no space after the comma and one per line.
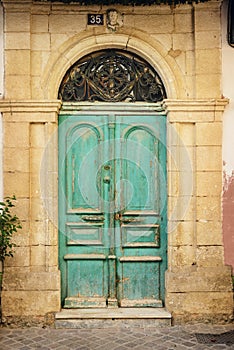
(93,218)
(120,217)
(129,220)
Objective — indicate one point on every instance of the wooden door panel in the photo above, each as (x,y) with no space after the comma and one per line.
(83,218)
(83,153)
(85,234)
(140,236)
(142,211)
(140,283)
(112,210)
(139,165)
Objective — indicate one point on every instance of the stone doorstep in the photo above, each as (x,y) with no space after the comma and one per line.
(104,317)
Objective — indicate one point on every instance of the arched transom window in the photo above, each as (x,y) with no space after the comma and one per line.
(112,76)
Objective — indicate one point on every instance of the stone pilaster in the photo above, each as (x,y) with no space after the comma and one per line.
(198,285)
(31,283)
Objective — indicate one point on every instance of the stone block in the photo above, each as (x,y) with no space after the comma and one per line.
(181,233)
(21,258)
(40,41)
(180,183)
(209,158)
(208,86)
(17,62)
(52,256)
(13,87)
(58,39)
(21,208)
(38,210)
(17,183)
(209,134)
(18,303)
(39,60)
(207,40)
(183,41)
(36,160)
(208,183)
(155,23)
(38,255)
(36,63)
(17,23)
(182,256)
(200,306)
(22,237)
(209,233)
(164,39)
(181,158)
(183,22)
(35,185)
(180,59)
(17,161)
(181,208)
(208,61)
(209,279)
(72,23)
(210,256)
(40,23)
(208,208)
(189,79)
(31,281)
(38,232)
(183,134)
(52,237)
(36,89)
(17,41)
(207,19)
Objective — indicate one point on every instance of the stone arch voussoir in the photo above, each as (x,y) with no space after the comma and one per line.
(137,42)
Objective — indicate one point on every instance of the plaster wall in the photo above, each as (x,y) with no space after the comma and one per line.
(228,142)
(183,44)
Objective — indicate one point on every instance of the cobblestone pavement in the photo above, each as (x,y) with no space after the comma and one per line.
(119,338)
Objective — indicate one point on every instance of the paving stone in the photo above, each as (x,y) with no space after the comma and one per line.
(118,338)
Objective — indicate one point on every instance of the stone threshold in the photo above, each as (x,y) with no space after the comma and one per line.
(112,317)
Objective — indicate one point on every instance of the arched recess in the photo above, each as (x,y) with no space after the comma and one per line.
(112,76)
(136,42)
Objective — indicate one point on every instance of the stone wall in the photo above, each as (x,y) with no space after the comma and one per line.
(42,40)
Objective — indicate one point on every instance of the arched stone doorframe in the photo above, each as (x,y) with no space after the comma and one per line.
(136,42)
(133,41)
(186,253)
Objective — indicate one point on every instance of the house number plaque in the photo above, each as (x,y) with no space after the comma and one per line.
(95,19)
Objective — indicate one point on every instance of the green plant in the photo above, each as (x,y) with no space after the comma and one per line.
(9,223)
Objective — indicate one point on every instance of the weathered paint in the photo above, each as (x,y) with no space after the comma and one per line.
(228,219)
(112,209)
(228,142)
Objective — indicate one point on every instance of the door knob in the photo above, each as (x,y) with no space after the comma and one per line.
(118,216)
(106,179)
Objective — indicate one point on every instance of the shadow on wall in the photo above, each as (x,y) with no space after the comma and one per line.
(228,219)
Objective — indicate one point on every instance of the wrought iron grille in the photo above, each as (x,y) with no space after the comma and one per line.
(112,76)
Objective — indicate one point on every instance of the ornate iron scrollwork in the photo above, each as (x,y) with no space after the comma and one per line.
(112,76)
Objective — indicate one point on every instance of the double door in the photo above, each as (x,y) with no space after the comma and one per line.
(112,209)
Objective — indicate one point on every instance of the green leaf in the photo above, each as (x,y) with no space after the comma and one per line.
(9,223)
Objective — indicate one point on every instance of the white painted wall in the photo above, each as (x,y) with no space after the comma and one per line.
(1,96)
(228,91)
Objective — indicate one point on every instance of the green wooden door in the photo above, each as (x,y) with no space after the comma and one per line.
(112,209)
